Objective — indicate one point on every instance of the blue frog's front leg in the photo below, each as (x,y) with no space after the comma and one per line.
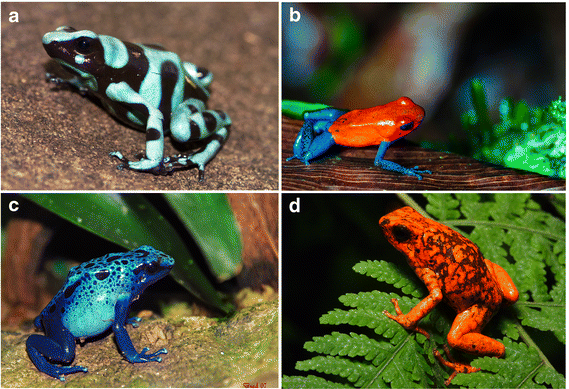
(395,167)
(313,139)
(123,339)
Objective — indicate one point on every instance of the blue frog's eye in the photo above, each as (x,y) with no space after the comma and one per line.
(83,46)
(152,267)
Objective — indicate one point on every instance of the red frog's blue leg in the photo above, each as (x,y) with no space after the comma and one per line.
(393,166)
(314,139)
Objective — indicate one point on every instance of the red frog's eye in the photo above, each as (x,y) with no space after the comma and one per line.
(406,126)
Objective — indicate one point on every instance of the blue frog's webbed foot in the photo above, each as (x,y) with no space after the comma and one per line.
(134,321)
(142,357)
(59,372)
(395,167)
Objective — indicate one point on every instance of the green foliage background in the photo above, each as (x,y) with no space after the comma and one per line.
(359,346)
(524,137)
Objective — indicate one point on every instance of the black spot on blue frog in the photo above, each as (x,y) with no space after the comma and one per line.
(96,296)
(146,87)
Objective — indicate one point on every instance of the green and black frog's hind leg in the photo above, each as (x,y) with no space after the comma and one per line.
(190,121)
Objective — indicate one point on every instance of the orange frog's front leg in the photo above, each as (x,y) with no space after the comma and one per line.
(409,321)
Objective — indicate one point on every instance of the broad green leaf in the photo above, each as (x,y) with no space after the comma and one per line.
(210,220)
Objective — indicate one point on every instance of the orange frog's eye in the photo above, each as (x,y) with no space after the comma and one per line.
(401,233)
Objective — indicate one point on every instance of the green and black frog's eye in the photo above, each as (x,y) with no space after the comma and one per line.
(83,45)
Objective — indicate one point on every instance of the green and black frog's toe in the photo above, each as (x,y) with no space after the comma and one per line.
(204,76)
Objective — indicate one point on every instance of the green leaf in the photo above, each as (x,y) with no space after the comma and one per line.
(353,371)
(210,220)
(392,274)
(296,109)
(309,381)
(129,221)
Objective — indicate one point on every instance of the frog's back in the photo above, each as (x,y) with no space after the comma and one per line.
(165,68)
(465,279)
(362,127)
(372,126)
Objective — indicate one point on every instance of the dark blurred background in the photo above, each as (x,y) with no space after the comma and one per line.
(362,55)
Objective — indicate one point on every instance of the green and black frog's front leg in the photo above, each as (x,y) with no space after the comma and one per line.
(122,92)
(75,81)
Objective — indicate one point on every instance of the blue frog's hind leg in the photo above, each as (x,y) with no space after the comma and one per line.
(57,348)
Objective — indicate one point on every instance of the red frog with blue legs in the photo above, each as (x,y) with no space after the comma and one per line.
(381,125)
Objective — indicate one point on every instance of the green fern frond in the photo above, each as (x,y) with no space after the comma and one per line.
(352,345)
(310,381)
(392,274)
(353,371)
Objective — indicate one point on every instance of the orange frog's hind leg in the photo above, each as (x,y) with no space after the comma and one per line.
(465,335)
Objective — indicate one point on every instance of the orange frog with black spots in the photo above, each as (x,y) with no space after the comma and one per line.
(454,270)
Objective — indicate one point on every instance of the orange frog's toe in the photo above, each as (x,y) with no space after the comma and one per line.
(457,367)
(404,320)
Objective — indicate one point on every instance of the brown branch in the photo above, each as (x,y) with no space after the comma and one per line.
(353,169)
